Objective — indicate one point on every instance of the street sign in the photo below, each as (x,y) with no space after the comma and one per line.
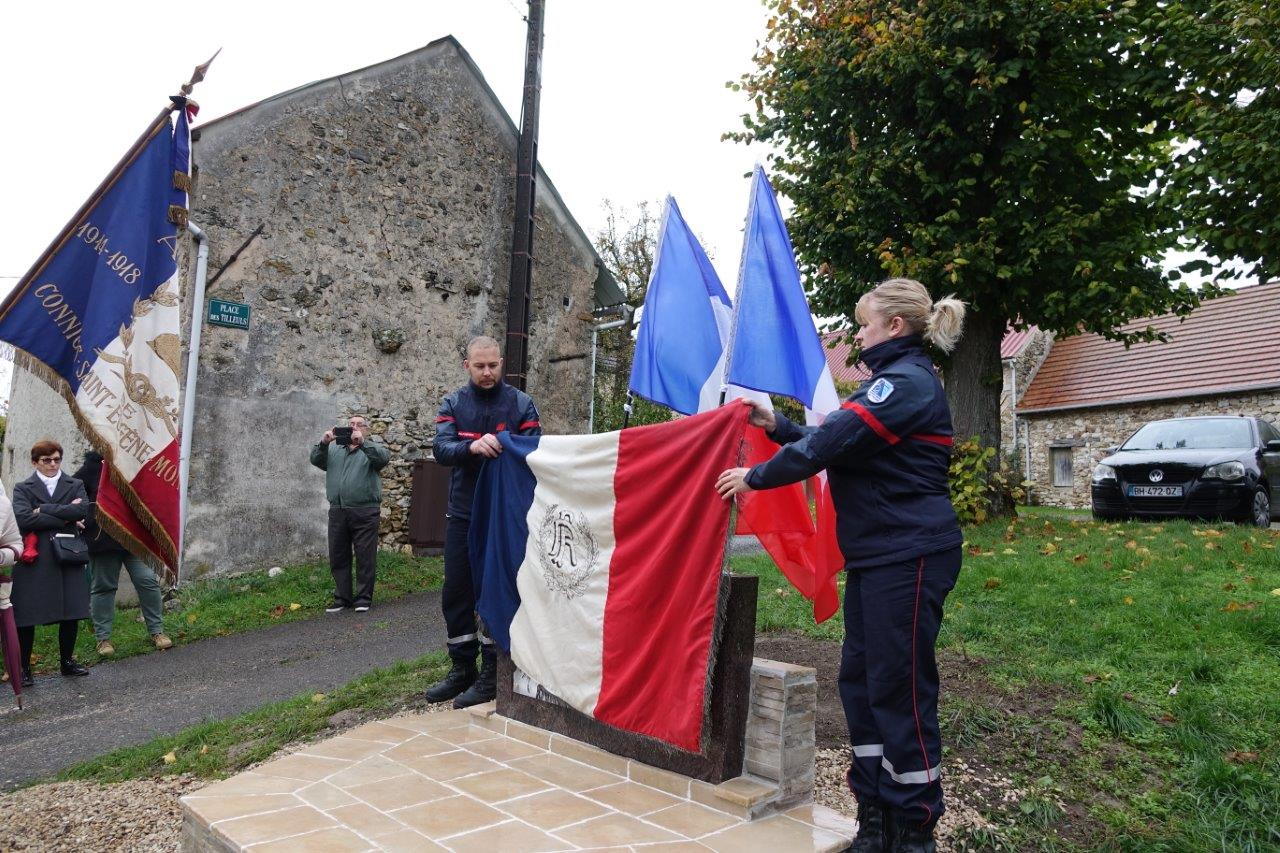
(234,315)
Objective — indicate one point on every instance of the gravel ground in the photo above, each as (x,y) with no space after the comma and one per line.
(960,817)
(141,817)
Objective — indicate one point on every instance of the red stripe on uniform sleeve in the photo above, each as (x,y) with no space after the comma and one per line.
(468,434)
(529,425)
(944,440)
(444,419)
(871,421)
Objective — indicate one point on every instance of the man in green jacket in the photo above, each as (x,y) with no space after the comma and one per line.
(354,488)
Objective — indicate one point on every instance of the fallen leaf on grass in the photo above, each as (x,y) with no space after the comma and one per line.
(1173,691)
(317,697)
(1212,546)
(1008,551)
(295,606)
(1236,757)
(992,583)
(191,618)
(1128,599)
(1167,719)
(1131,545)
(204,750)
(1079,558)
(1049,548)
(1233,606)
(1276,591)
(1246,547)
(1128,697)
(1094,679)
(169,758)
(1228,587)
(1071,601)
(277,611)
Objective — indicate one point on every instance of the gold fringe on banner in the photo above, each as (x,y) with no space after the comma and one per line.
(50,377)
(182,181)
(178,215)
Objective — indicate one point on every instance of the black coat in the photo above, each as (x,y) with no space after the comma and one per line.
(90,473)
(47,591)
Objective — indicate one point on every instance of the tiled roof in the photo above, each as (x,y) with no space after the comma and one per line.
(1014,341)
(838,356)
(1228,344)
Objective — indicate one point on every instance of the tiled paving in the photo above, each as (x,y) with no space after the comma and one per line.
(467,781)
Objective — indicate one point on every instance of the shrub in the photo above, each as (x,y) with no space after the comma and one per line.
(981,487)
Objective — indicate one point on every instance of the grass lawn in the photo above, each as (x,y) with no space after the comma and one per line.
(217,749)
(230,605)
(1160,647)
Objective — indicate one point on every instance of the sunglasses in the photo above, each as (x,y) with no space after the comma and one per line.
(46,459)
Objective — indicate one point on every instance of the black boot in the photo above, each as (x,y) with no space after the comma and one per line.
(71,666)
(873,829)
(27,680)
(460,676)
(909,837)
(486,684)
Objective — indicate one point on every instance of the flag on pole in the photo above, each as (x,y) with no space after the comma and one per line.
(679,357)
(774,347)
(97,319)
(598,562)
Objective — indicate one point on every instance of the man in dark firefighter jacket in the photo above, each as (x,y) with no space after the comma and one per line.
(886,452)
(466,430)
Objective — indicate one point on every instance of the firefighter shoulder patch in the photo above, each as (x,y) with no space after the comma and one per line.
(879,390)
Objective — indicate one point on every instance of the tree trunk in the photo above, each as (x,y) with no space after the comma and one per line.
(974,378)
(973,382)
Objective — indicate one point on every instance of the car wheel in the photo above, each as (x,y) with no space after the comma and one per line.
(1259,509)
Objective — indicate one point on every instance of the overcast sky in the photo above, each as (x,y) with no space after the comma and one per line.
(633,95)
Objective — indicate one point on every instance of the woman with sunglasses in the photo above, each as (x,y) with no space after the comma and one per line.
(50,590)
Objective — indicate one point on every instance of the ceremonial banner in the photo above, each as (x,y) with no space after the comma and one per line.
(775,347)
(98,320)
(598,562)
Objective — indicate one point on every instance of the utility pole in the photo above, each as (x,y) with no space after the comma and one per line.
(517,356)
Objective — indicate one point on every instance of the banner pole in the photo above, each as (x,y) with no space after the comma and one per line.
(189,387)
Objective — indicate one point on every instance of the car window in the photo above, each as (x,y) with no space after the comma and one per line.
(1269,432)
(1193,434)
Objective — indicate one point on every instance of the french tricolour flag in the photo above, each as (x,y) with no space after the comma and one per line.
(599,561)
(680,355)
(774,347)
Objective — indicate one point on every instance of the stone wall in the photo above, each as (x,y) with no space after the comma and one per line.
(1091,433)
(1017,375)
(387,197)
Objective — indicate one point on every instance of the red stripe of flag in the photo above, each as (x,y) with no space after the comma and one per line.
(670,527)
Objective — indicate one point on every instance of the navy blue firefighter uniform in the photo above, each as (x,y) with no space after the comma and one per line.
(466,415)
(886,452)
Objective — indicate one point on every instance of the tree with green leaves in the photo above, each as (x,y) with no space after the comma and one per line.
(1224,181)
(1003,151)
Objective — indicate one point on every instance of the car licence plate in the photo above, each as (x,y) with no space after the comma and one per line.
(1155,491)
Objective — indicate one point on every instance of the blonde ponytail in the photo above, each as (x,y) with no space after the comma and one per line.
(939,322)
(946,323)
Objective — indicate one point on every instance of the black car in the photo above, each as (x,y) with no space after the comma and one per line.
(1209,467)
